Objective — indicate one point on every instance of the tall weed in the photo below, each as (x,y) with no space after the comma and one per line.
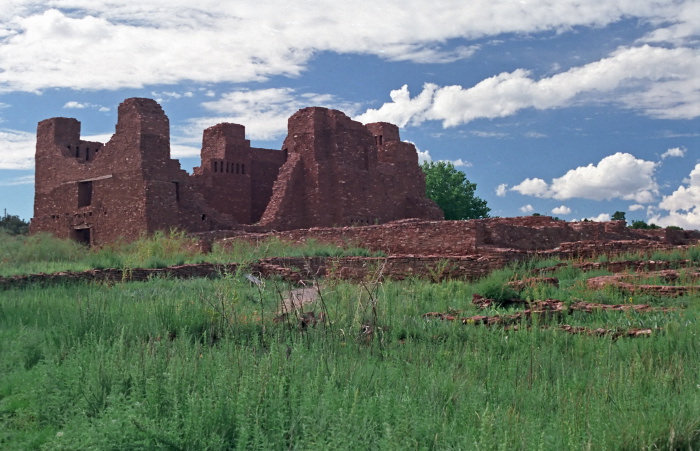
(199,364)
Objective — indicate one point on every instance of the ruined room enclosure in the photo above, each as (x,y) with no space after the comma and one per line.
(330,171)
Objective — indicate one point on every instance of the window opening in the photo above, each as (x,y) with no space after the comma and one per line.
(243,169)
(177,191)
(82,236)
(84,194)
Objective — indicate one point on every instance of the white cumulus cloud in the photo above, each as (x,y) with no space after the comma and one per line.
(81,105)
(657,81)
(94,44)
(527,208)
(459,163)
(617,176)
(533,187)
(683,205)
(403,109)
(501,190)
(561,210)
(674,152)
(603,217)
(74,104)
(424,156)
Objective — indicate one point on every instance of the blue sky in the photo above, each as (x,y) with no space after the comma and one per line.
(560,107)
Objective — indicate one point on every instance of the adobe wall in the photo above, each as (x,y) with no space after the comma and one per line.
(340,172)
(402,237)
(265,167)
(80,185)
(234,178)
(332,171)
(519,236)
(225,171)
(292,269)
(97,193)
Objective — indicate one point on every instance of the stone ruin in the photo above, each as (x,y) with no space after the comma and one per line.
(500,240)
(331,171)
(334,180)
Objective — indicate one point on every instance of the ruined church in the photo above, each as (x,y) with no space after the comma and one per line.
(331,171)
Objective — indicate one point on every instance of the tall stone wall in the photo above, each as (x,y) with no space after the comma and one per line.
(87,191)
(340,172)
(97,193)
(331,171)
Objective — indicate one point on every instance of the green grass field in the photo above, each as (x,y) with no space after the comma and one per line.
(201,364)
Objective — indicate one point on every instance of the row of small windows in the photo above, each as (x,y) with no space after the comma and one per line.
(78,153)
(229,168)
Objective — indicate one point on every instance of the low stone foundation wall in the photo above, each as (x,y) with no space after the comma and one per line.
(538,234)
(622,283)
(434,267)
(112,275)
(592,249)
(292,269)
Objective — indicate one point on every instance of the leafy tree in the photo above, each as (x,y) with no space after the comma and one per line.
(13,225)
(643,225)
(451,190)
(619,216)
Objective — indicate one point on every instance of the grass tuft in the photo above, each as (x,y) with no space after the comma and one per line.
(206,363)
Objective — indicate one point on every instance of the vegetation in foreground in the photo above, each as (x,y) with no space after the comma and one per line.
(202,364)
(42,253)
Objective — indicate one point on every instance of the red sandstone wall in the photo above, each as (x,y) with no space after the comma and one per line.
(111,174)
(293,269)
(265,167)
(502,236)
(134,187)
(331,171)
(338,177)
(224,177)
(395,238)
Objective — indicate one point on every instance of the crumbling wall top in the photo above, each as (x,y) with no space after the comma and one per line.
(218,138)
(140,116)
(384,132)
(57,131)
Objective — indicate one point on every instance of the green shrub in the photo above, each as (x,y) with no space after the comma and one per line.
(13,225)
(495,286)
(694,254)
